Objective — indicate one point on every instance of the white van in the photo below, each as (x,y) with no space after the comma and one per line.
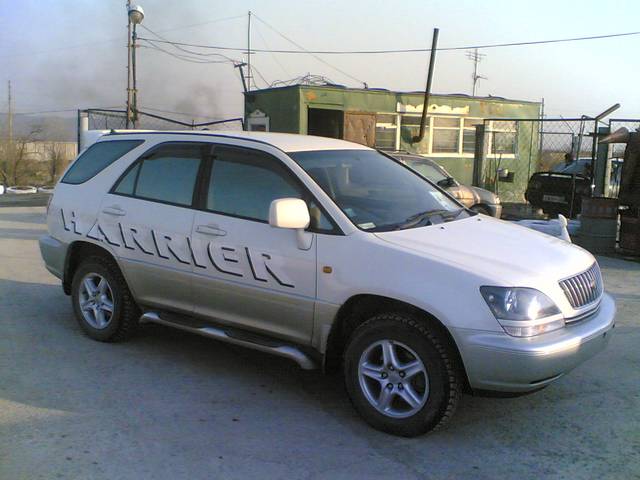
(326,252)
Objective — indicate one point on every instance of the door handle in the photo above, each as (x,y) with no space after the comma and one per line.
(213,230)
(114,210)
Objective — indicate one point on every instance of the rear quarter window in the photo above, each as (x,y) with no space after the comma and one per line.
(96,158)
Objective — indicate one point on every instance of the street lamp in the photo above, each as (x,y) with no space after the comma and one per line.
(136,15)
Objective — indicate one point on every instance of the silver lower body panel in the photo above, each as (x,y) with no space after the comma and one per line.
(498,362)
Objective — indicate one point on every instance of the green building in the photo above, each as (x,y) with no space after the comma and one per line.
(389,120)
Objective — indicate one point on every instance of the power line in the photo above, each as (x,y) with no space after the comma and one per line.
(112,40)
(260,75)
(42,112)
(179,45)
(190,52)
(406,50)
(201,23)
(275,59)
(311,53)
(184,58)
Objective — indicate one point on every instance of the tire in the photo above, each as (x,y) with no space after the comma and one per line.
(481,209)
(438,389)
(117,325)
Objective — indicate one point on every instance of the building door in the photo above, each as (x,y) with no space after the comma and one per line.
(325,122)
(360,128)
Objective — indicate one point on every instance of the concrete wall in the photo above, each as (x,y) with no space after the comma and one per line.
(40,151)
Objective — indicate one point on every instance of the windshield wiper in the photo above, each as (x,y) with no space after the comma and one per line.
(419,218)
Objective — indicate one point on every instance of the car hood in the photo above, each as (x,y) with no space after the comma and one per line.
(498,251)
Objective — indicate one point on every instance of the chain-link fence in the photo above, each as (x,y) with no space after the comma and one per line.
(514,149)
(616,154)
(106,119)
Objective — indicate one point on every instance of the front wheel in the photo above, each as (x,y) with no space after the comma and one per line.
(400,376)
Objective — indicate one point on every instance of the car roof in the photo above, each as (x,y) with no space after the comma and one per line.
(287,142)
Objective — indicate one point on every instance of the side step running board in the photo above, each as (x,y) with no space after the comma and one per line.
(287,351)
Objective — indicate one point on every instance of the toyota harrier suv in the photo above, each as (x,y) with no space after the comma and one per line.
(325,252)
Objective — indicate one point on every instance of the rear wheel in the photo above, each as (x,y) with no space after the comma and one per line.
(102,302)
(401,377)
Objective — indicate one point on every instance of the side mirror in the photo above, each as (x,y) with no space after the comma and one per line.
(289,213)
(292,213)
(446,182)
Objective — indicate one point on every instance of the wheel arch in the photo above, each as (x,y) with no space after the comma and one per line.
(358,308)
(76,252)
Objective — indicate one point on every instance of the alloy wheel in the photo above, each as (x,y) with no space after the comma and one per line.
(393,379)
(96,300)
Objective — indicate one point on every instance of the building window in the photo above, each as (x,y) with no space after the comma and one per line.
(469,134)
(451,135)
(446,135)
(409,128)
(386,131)
(504,137)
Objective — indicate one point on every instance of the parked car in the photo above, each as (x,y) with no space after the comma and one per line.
(557,193)
(325,252)
(1,189)
(561,189)
(22,189)
(475,198)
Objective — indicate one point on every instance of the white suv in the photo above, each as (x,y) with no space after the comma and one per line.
(325,252)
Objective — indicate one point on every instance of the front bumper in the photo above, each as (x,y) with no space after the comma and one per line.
(498,362)
(53,253)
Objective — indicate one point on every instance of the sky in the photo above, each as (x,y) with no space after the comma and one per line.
(65,55)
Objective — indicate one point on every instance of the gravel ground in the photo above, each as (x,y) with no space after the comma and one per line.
(169,405)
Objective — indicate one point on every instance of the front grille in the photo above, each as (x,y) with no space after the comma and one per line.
(584,288)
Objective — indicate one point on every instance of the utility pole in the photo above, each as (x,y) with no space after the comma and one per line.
(128,121)
(135,15)
(9,117)
(249,74)
(476,58)
(242,77)
(134,90)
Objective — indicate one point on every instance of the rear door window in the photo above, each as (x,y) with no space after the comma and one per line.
(168,175)
(96,158)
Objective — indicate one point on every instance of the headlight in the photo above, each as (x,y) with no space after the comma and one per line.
(523,312)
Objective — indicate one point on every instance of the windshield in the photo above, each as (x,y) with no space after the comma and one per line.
(376,192)
(579,168)
(433,173)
